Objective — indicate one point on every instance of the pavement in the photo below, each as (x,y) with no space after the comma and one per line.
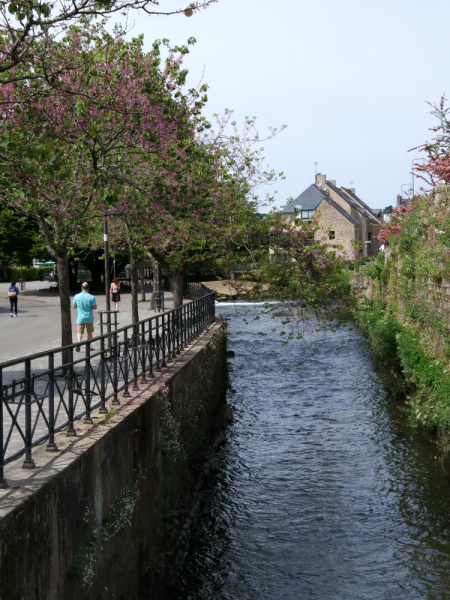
(38,325)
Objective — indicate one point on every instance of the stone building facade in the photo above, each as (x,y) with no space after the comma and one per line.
(344,219)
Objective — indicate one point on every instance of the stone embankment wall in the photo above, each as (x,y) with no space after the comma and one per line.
(100,519)
(403,299)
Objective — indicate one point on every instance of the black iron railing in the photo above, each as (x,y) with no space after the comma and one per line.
(48,392)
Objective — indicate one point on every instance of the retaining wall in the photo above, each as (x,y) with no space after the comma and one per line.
(98,520)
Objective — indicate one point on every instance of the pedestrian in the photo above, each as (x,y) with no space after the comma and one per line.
(85,303)
(13,292)
(115,293)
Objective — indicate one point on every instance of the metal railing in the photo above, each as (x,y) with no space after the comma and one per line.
(48,392)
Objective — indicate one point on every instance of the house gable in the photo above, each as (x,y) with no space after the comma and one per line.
(336,227)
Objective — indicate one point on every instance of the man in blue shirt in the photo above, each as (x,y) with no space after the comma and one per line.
(85,303)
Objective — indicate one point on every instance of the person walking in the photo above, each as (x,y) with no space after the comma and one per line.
(115,293)
(85,303)
(13,292)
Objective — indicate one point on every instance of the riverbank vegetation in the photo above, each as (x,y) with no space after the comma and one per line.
(404,295)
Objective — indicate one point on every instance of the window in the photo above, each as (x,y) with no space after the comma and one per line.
(369,236)
(307,214)
(332,235)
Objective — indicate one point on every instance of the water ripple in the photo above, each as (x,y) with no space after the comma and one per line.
(324,492)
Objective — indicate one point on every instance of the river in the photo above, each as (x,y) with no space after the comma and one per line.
(324,492)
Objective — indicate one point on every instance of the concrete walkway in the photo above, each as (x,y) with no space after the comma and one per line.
(38,326)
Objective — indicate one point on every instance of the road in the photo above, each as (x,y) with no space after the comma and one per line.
(38,325)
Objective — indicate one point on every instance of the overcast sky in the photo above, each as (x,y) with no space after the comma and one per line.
(350,78)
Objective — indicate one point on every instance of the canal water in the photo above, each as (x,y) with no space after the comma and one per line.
(324,491)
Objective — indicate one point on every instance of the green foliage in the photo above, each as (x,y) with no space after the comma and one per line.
(354,265)
(18,237)
(27,273)
(382,329)
(399,347)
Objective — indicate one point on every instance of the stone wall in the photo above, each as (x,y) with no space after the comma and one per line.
(99,519)
(331,220)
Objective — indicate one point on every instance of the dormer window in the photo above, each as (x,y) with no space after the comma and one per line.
(304,212)
(307,214)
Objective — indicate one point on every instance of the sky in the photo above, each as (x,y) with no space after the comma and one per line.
(350,79)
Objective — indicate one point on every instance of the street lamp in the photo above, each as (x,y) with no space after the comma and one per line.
(106,251)
(408,184)
(412,171)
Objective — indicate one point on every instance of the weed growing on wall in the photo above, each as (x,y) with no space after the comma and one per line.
(119,516)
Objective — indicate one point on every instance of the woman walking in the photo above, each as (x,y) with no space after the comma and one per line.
(13,292)
(115,293)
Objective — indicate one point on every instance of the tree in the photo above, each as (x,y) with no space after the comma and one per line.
(18,236)
(90,128)
(29,27)
(207,202)
(436,169)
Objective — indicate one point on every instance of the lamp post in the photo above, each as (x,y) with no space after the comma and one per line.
(106,251)
(412,171)
(409,185)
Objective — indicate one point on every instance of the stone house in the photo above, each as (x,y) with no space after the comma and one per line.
(343,217)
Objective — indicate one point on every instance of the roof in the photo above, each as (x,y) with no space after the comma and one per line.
(345,197)
(340,210)
(371,210)
(312,196)
(298,207)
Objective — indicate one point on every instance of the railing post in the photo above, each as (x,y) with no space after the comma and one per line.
(103,410)
(143,346)
(169,337)
(71,429)
(174,332)
(163,340)
(150,344)
(157,345)
(135,356)
(51,446)
(87,419)
(126,393)
(179,331)
(115,358)
(191,329)
(3,482)
(28,463)
(184,323)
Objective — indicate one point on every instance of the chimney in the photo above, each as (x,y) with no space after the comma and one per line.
(320,180)
(332,181)
(352,190)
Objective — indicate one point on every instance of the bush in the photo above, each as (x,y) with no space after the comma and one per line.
(398,346)
(382,328)
(28,273)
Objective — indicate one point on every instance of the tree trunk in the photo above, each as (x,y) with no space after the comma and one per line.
(134,283)
(178,280)
(62,263)
(59,253)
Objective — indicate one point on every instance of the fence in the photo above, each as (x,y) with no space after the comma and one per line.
(48,392)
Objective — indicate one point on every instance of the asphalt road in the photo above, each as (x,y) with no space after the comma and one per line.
(38,325)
